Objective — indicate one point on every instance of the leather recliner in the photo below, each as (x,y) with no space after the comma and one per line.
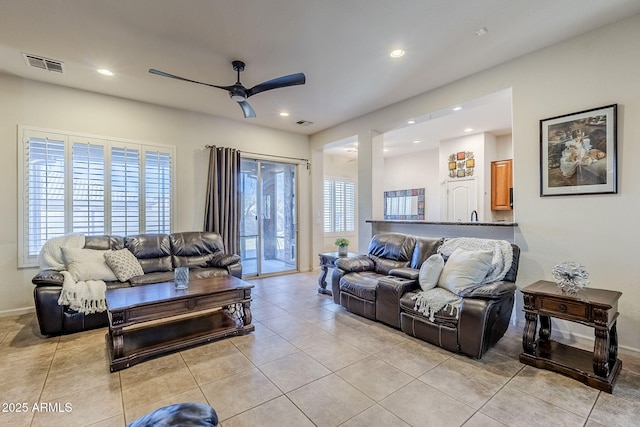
(362,284)
(379,286)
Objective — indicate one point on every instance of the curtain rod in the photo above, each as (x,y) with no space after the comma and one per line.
(266,155)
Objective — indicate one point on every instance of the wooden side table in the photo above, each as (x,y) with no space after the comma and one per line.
(327,261)
(597,308)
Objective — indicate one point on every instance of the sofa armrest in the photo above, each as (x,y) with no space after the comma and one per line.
(355,264)
(405,273)
(495,290)
(482,322)
(50,314)
(48,278)
(235,270)
(222,260)
(390,290)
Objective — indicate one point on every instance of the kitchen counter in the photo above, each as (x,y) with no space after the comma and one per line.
(502,230)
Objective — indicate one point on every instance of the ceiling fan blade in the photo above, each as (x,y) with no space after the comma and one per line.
(163,74)
(284,81)
(246,109)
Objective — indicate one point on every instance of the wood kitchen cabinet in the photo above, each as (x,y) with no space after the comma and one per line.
(501,185)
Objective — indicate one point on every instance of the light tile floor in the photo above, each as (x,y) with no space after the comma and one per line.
(309,362)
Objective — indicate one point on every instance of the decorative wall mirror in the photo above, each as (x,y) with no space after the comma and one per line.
(404,204)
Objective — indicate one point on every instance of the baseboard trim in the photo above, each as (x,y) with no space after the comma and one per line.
(17,311)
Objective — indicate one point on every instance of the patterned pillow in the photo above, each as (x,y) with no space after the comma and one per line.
(124,264)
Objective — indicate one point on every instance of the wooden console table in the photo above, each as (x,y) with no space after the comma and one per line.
(597,308)
(327,261)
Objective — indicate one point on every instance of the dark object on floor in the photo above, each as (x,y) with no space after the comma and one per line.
(181,414)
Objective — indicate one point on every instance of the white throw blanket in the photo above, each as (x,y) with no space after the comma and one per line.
(431,301)
(85,296)
(502,254)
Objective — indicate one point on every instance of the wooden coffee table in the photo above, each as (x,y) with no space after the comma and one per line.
(153,320)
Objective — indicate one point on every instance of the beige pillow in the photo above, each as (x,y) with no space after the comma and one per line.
(87,264)
(465,268)
(430,272)
(124,264)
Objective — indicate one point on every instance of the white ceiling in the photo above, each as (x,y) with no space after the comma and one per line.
(341,45)
(490,113)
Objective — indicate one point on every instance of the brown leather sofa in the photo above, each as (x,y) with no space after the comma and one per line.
(379,286)
(158,254)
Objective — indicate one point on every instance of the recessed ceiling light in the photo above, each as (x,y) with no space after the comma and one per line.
(416,142)
(105,72)
(284,114)
(458,108)
(481,32)
(411,122)
(468,130)
(385,150)
(397,53)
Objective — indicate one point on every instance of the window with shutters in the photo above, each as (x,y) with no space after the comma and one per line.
(339,206)
(72,183)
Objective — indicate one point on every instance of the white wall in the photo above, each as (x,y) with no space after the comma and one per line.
(345,168)
(415,170)
(504,148)
(600,231)
(36,104)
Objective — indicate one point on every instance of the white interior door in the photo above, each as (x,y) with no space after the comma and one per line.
(462,199)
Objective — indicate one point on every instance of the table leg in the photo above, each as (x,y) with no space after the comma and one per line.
(544,342)
(117,339)
(529,334)
(613,344)
(601,352)
(246,313)
(322,279)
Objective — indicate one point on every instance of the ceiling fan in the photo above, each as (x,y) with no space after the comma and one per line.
(238,92)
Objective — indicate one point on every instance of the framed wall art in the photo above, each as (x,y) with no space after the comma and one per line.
(578,153)
(461,164)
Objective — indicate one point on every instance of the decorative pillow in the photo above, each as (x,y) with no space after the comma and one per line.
(87,264)
(430,272)
(124,264)
(465,268)
(50,257)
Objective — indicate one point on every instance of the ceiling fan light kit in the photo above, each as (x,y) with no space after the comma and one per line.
(238,92)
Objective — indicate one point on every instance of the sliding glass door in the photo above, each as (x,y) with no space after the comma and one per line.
(268,242)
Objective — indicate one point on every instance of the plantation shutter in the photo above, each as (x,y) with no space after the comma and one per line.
(88,188)
(44,192)
(125,191)
(157,179)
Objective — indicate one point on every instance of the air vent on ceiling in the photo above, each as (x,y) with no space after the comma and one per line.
(43,63)
(304,123)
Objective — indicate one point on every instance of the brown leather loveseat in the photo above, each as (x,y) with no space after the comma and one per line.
(380,286)
(158,255)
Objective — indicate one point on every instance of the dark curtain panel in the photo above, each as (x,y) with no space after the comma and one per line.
(222,206)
